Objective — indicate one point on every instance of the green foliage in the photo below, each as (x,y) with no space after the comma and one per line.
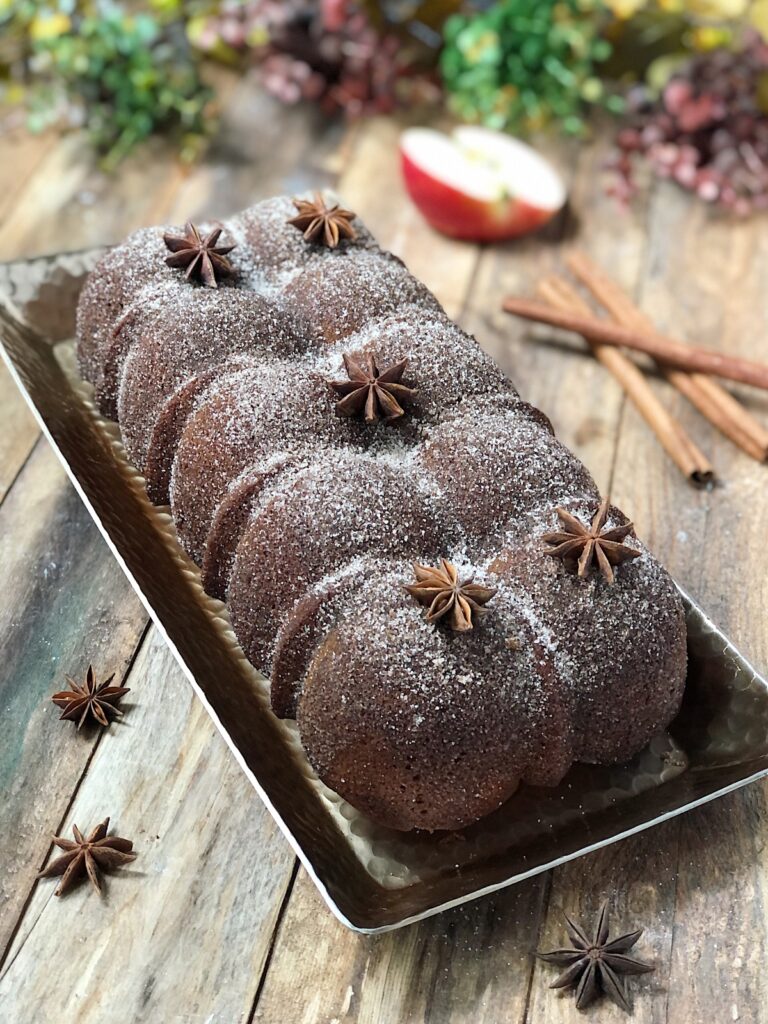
(126,70)
(522,64)
(123,76)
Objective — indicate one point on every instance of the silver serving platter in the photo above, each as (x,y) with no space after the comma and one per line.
(372,878)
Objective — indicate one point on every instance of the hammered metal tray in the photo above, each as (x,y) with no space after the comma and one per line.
(372,878)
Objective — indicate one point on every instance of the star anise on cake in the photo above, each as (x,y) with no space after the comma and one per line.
(378,393)
(323,224)
(87,855)
(595,965)
(588,547)
(457,601)
(203,259)
(90,698)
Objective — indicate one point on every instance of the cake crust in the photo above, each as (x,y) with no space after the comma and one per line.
(307,516)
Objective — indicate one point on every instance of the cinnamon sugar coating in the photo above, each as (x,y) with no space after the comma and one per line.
(600,627)
(494,464)
(170,342)
(445,365)
(277,245)
(333,298)
(432,730)
(338,508)
(238,422)
(307,522)
(112,288)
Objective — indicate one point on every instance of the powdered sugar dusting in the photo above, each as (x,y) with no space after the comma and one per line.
(414,724)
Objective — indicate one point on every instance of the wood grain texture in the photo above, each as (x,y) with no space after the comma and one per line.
(70,204)
(18,431)
(363,980)
(262,149)
(171,945)
(637,876)
(28,153)
(697,883)
(241,912)
(704,278)
(471,965)
(64,602)
(183,932)
(553,375)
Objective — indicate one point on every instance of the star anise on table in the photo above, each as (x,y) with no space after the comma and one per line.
(201,256)
(586,547)
(90,698)
(379,393)
(448,597)
(595,965)
(86,856)
(322,224)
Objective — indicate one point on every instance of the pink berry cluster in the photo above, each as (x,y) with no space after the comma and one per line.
(331,52)
(707,131)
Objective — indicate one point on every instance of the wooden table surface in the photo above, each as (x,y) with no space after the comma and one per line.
(214,922)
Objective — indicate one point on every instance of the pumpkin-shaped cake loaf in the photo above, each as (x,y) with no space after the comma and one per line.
(444,601)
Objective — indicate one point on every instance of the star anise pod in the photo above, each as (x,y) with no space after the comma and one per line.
(377,392)
(90,697)
(324,225)
(439,587)
(586,547)
(202,257)
(596,965)
(88,855)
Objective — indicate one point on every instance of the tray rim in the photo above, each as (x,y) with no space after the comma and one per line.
(283,826)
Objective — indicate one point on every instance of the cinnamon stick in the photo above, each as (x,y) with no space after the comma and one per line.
(666,350)
(710,398)
(673,438)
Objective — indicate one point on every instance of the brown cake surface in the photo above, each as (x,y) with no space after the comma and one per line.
(319,426)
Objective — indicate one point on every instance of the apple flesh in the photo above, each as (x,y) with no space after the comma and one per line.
(478,184)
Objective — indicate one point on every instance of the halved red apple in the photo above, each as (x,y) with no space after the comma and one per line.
(478,184)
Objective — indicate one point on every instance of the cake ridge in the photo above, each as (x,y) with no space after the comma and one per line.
(308,522)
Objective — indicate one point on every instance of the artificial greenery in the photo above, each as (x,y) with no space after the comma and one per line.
(126,69)
(122,75)
(522,64)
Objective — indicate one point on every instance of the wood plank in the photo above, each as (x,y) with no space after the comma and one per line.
(685,880)
(64,602)
(587,409)
(28,153)
(720,936)
(183,932)
(125,206)
(706,279)
(555,375)
(69,203)
(18,431)
(470,965)
(404,977)
(370,183)
(637,876)
(690,531)
(48,201)
(55,199)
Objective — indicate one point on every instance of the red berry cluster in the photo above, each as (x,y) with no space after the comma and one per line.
(708,130)
(331,52)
